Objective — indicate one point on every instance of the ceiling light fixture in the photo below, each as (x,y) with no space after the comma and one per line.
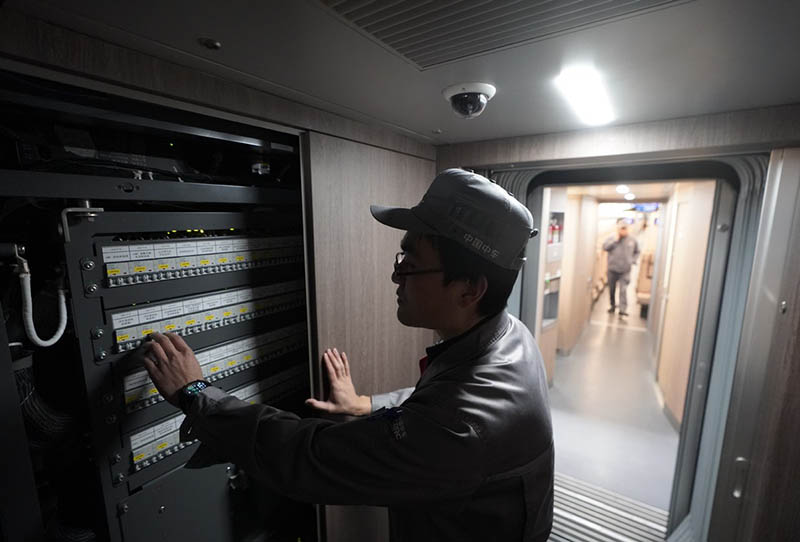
(623,189)
(583,88)
(630,196)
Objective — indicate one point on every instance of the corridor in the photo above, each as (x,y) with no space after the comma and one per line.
(609,427)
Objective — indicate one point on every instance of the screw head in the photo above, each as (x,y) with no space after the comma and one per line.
(116,458)
(784,306)
(162,509)
(108,397)
(101,355)
(111,418)
(87,265)
(119,478)
(92,288)
(97,332)
(123,508)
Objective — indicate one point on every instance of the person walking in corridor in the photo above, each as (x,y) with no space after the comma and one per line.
(623,251)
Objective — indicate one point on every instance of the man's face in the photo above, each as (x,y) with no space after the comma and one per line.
(423,300)
(622,229)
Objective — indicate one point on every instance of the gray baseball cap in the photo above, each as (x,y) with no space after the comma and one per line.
(471,210)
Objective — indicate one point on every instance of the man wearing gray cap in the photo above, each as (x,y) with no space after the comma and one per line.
(467,454)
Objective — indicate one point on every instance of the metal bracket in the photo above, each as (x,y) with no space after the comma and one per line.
(12,251)
(81,212)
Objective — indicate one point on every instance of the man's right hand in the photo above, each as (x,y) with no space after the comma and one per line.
(343,398)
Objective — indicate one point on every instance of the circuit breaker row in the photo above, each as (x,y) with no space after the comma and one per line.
(196,314)
(222,361)
(161,440)
(136,263)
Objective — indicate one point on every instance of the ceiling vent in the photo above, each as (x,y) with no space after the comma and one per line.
(433,32)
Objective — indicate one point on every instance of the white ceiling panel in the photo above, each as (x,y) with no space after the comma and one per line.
(690,58)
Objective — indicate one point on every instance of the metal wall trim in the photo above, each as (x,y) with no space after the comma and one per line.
(772,246)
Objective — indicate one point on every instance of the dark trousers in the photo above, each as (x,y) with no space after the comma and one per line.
(623,279)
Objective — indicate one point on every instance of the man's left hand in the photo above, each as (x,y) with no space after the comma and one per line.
(170,363)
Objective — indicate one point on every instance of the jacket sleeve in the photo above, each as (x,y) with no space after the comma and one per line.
(391,399)
(397,456)
(610,243)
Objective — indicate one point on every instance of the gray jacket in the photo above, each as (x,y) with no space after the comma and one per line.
(467,456)
(622,254)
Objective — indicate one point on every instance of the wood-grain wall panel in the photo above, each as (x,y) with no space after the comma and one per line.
(35,41)
(738,131)
(356,302)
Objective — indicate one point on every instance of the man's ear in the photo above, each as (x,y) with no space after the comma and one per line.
(473,291)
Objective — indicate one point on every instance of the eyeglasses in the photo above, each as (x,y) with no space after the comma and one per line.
(398,272)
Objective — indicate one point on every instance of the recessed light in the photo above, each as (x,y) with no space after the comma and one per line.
(583,88)
(437,131)
(623,189)
(630,196)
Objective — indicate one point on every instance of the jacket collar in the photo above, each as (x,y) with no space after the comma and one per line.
(469,346)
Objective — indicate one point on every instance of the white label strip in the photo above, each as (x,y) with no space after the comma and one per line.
(187,249)
(125,319)
(116,254)
(142,252)
(166,250)
(124,253)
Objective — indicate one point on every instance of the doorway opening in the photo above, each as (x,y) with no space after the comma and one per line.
(619,366)
(582,512)
(619,370)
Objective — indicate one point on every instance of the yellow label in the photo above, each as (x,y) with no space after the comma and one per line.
(138,457)
(153,391)
(209,317)
(248,357)
(140,269)
(227,313)
(231,363)
(147,331)
(191,322)
(223,260)
(170,327)
(214,369)
(161,445)
(185,264)
(122,338)
(112,272)
(205,262)
(130,399)
(239,258)
(243,309)
(163,266)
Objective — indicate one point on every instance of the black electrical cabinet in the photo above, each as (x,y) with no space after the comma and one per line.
(141,219)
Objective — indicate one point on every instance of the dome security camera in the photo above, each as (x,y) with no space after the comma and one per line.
(468,100)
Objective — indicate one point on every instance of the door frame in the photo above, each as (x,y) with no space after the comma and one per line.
(729,259)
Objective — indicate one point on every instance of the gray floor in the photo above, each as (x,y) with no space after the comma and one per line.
(609,427)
